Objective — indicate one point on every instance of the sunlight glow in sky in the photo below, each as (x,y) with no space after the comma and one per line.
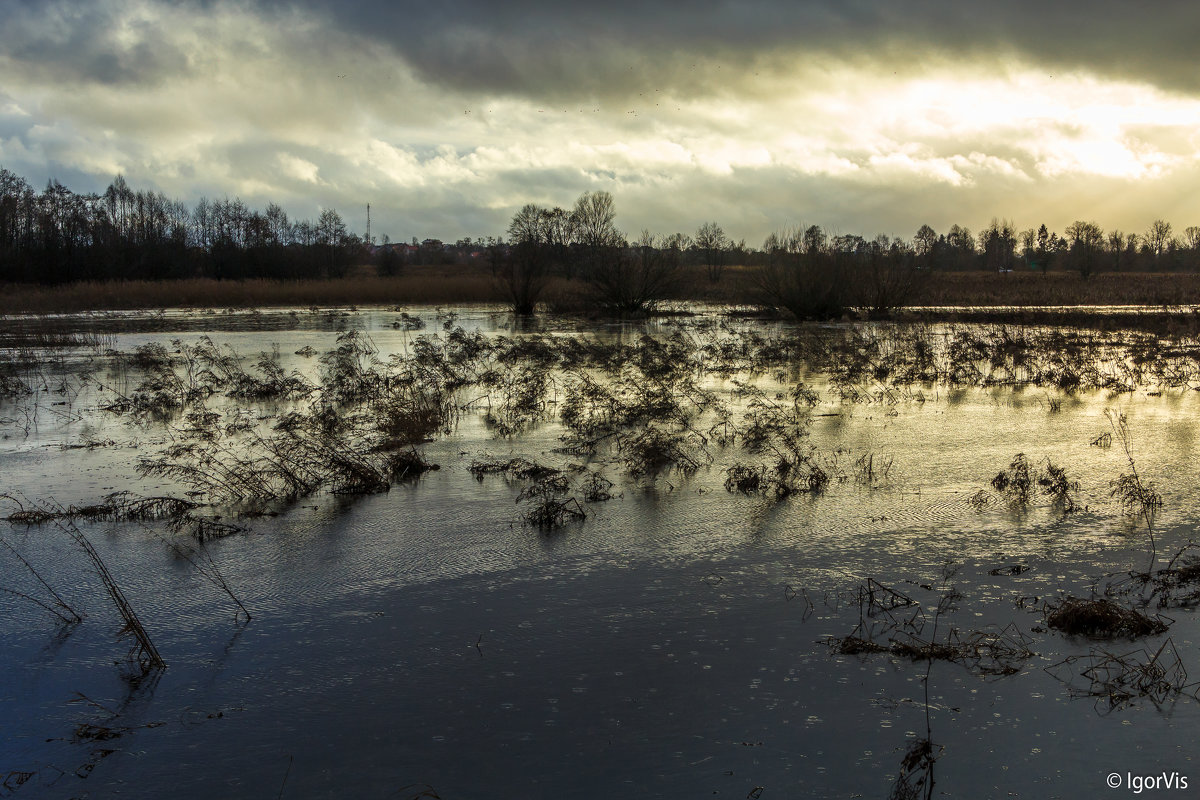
(310,106)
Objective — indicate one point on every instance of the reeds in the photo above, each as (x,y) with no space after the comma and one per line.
(893,622)
(1137,498)
(418,286)
(117,506)
(1115,680)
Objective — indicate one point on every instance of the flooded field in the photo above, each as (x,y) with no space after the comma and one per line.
(427,554)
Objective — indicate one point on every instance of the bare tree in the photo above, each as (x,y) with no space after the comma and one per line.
(712,243)
(1087,242)
(1028,240)
(638,278)
(1191,237)
(1156,238)
(886,275)
(923,244)
(961,246)
(1117,242)
(593,218)
(1191,240)
(801,277)
(593,232)
(524,273)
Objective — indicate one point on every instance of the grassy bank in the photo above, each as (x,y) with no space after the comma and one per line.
(444,285)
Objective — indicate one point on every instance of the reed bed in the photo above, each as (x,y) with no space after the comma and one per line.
(468,284)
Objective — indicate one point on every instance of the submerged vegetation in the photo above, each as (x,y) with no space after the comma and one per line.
(250,433)
(226,437)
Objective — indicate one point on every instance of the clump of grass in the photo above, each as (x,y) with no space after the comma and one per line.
(985,652)
(1018,483)
(915,780)
(522,392)
(1101,619)
(408,322)
(143,653)
(869,471)
(1054,482)
(12,384)
(281,467)
(856,645)
(547,506)
(350,372)
(201,559)
(657,449)
(980,500)
(745,479)
(408,465)
(1137,499)
(789,474)
(596,488)
(410,413)
(1177,585)
(514,468)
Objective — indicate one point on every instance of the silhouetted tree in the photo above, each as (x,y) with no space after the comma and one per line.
(1156,239)
(639,277)
(1086,244)
(801,276)
(998,243)
(525,271)
(712,244)
(924,244)
(594,237)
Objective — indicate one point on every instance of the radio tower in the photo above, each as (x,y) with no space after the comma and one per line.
(369,224)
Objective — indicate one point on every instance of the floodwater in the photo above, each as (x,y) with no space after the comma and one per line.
(428,642)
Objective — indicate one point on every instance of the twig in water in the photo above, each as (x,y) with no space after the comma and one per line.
(58,607)
(144,652)
(288,771)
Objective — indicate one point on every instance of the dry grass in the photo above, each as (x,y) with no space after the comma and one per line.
(421,286)
(452,284)
(1101,619)
(1058,289)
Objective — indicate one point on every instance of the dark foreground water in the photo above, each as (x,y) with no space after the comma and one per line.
(675,643)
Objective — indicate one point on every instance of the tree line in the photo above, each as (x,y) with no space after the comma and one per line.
(804,271)
(58,236)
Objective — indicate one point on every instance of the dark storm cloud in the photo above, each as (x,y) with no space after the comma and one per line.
(545,46)
(553,49)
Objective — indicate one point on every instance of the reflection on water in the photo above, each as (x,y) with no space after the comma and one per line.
(673,643)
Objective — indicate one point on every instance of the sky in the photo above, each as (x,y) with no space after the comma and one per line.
(446,116)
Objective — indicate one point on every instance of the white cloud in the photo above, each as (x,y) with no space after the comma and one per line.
(281,108)
(299,168)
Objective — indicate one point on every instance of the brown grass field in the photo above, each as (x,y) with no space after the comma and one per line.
(448,285)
